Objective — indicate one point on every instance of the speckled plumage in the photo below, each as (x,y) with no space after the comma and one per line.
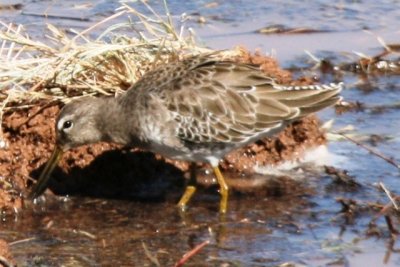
(197,109)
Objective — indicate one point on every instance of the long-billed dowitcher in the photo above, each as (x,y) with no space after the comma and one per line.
(197,109)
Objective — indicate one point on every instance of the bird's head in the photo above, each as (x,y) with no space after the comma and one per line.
(76,125)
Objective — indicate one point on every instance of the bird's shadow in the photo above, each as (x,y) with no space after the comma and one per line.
(119,174)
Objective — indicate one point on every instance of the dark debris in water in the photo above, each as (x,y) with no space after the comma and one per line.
(281,29)
(353,211)
(342,178)
(11,6)
(373,66)
(384,63)
(349,106)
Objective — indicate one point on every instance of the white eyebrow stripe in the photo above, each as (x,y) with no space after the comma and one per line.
(60,124)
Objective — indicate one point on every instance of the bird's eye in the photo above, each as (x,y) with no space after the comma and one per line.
(67,125)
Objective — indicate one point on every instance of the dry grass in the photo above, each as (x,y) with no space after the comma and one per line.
(64,67)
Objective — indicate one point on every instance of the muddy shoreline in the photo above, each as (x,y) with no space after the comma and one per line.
(104,171)
(29,136)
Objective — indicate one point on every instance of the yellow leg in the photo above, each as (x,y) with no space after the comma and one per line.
(190,188)
(223,206)
(189,191)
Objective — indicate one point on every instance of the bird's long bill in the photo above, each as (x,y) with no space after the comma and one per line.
(41,184)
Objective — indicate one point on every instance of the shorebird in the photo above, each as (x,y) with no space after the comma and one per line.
(196,110)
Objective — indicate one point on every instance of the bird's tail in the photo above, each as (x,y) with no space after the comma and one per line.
(308,98)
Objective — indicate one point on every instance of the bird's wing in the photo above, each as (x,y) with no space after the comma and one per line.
(230,102)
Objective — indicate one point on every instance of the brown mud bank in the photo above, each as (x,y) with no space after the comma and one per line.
(104,170)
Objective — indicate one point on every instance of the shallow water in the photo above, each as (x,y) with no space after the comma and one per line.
(304,226)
